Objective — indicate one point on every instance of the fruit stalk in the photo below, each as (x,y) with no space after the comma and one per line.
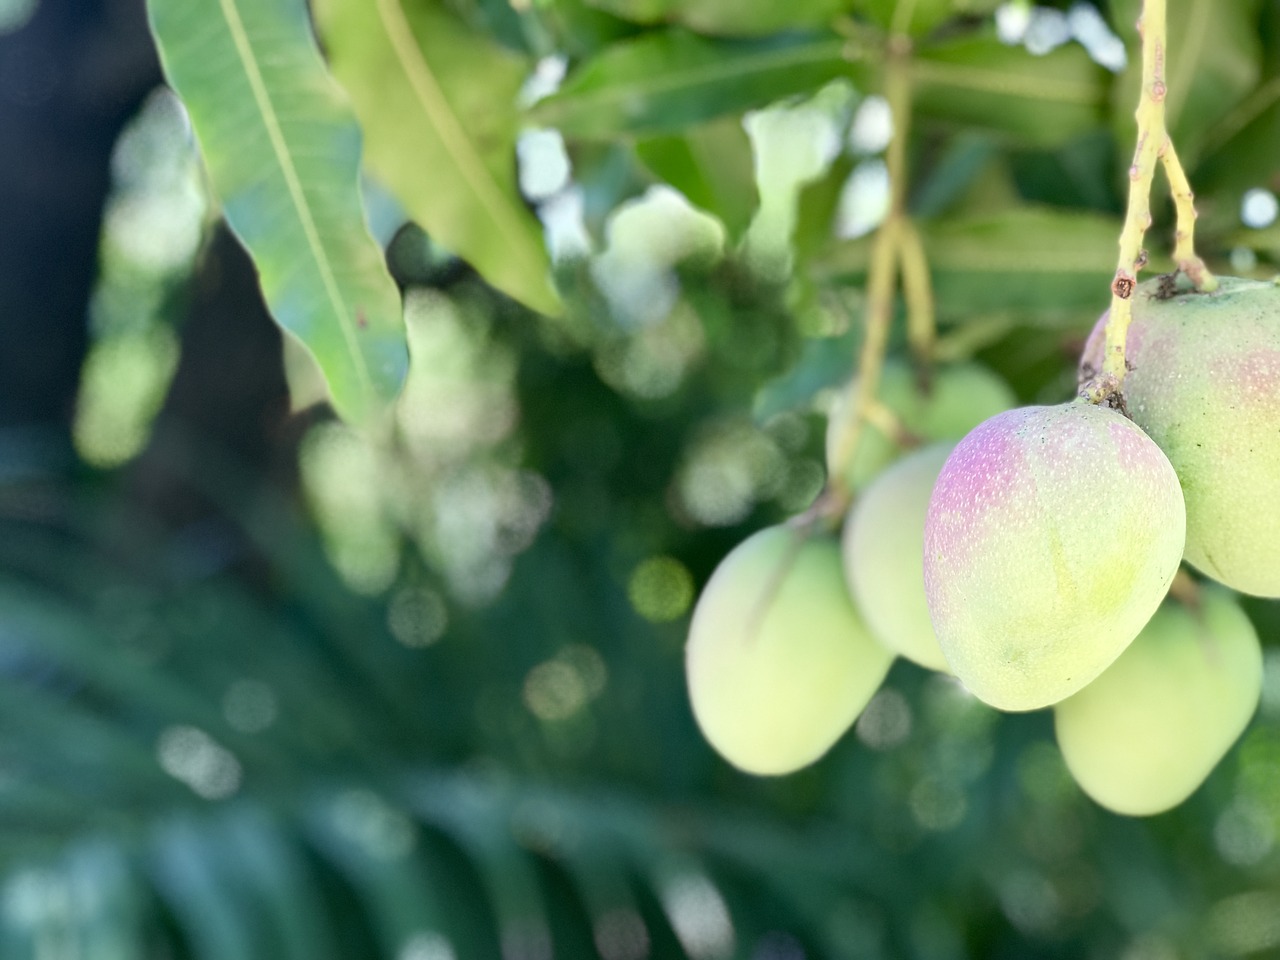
(1154,144)
(1184,253)
(917,289)
(1151,137)
(882,274)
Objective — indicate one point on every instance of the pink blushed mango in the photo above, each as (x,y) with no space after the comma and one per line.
(1051,537)
(1204,383)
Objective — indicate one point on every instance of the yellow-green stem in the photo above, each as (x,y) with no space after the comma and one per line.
(882,273)
(917,290)
(888,423)
(1184,589)
(1151,137)
(1184,253)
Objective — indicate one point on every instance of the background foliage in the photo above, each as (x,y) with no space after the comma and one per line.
(410,686)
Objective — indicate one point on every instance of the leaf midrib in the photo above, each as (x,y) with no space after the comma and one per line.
(248,60)
(466,158)
(702,75)
(1025,86)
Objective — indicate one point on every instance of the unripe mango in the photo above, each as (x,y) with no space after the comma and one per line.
(960,397)
(779,664)
(1052,535)
(1144,735)
(883,548)
(1204,383)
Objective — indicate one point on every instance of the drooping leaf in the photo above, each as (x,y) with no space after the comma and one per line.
(1212,64)
(955,168)
(283,153)
(1086,172)
(581,29)
(437,105)
(666,81)
(712,166)
(607,173)
(209,909)
(824,362)
(1037,260)
(817,208)
(414,895)
(728,18)
(980,82)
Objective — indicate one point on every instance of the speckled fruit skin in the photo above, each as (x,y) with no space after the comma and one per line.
(962,397)
(883,547)
(1144,735)
(1205,385)
(779,663)
(1052,536)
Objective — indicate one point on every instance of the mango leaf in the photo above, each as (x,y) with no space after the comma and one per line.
(1213,62)
(923,15)
(1080,173)
(728,18)
(1269,34)
(965,158)
(1242,155)
(712,165)
(283,152)
(817,207)
(824,362)
(977,81)
(666,81)
(437,104)
(1044,263)
(1265,241)
(607,173)
(580,29)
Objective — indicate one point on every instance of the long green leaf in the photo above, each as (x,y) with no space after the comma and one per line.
(668,80)
(283,152)
(712,166)
(1242,155)
(978,81)
(437,105)
(1042,262)
(212,913)
(728,18)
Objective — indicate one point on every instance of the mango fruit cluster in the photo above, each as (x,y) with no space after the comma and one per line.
(1029,551)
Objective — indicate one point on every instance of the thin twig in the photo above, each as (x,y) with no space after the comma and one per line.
(882,274)
(1151,137)
(917,290)
(1184,253)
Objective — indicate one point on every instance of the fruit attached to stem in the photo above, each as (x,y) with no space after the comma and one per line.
(883,547)
(1204,384)
(959,398)
(1145,734)
(1052,535)
(779,663)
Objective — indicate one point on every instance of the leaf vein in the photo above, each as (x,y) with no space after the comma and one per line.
(426,89)
(711,73)
(297,194)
